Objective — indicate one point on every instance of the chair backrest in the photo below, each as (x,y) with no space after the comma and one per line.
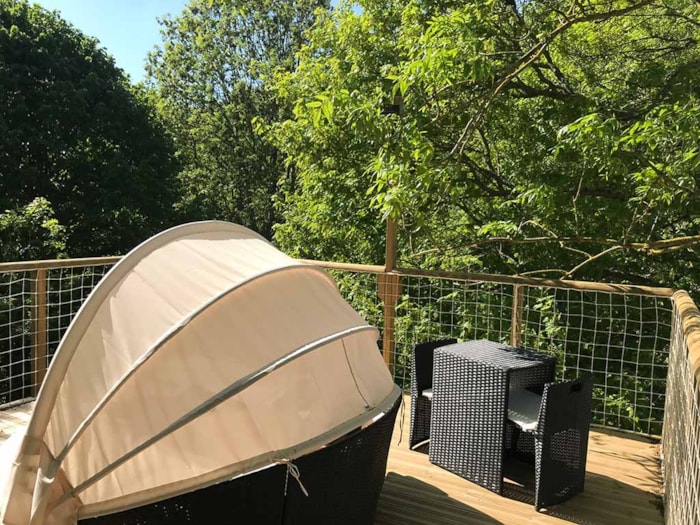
(566,405)
(562,440)
(423,361)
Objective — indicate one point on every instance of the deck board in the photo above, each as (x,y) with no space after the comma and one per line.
(623,485)
(14,418)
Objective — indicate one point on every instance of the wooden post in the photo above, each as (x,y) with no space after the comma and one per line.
(389,288)
(391,245)
(516,323)
(39,328)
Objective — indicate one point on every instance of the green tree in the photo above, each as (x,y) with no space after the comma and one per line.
(31,232)
(211,77)
(28,232)
(545,137)
(74,131)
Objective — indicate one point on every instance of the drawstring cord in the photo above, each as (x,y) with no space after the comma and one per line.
(293,470)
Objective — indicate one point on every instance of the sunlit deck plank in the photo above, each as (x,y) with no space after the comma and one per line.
(622,486)
(13,419)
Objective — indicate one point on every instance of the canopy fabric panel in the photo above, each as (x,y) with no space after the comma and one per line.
(204,354)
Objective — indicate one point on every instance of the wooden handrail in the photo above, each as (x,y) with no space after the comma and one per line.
(51,264)
(689,317)
(346,267)
(585,286)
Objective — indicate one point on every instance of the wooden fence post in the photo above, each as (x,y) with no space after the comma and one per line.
(389,288)
(516,321)
(391,245)
(39,327)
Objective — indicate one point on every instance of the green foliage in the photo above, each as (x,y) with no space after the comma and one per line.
(73,130)
(27,233)
(543,137)
(210,78)
(31,232)
(528,140)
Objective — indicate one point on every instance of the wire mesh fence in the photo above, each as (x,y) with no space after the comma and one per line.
(16,355)
(431,309)
(67,289)
(681,438)
(36,308)
(621,339)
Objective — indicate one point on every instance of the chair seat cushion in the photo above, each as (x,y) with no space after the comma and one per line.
(524,408)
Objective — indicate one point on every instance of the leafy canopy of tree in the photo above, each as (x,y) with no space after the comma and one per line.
(547,137)
(210,78)
(31,233)
(74,132)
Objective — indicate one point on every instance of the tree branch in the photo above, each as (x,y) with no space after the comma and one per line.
(530,57)
(591,259)
(651,248)
(537,272)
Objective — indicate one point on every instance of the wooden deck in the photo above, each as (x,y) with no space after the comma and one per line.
(623,486)
(14,418)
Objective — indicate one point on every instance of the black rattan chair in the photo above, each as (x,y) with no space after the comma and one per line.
(557,441)
(421,384)
(343,481)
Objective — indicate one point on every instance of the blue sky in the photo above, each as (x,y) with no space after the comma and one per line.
(127,29)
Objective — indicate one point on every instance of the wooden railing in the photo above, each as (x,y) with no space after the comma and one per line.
(389,283)
(395,287)
(680,446)
(26,288)
(624,347)
(504,308)
(394,291)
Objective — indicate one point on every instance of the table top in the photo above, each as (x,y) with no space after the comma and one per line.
(497,355)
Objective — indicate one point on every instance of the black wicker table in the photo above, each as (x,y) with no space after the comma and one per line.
(471,382)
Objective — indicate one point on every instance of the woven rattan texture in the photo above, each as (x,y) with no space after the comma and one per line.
(422,378)
(470,394)
(343,481)
(256,498)
(561,441)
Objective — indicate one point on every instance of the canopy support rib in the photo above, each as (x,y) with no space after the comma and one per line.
(223,395)
(157,346)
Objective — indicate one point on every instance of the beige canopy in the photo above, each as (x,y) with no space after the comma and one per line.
(203,355)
